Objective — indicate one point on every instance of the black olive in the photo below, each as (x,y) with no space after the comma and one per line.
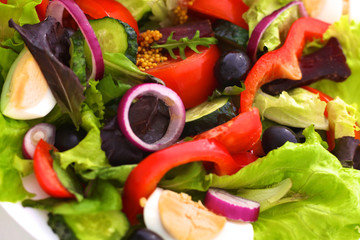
(67,137)
(276,136)
(145,234)
(231,68)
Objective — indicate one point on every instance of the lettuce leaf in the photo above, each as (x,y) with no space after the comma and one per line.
(274,33)
(12,166)
(330,209)
(348,34)
(296,108)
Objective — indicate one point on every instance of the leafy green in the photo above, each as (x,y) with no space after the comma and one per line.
(94,99)
(125,71)
(87,155)
(77,53)
(21,11)
(331,193)
(47,42)
(8,56)
(111,89)
(343,118)
(182,43)
(296,108)
(12,167)
(278,28)
(59,226)
(348,34)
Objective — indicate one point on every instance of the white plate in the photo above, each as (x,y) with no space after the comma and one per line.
(32,220)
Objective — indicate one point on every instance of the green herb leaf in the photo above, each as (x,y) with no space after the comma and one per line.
(181,44)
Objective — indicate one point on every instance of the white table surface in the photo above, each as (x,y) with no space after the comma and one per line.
(11,230)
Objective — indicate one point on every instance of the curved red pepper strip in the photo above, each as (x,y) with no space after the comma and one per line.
(283,62)
(143,180)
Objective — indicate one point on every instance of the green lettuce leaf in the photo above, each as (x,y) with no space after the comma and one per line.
(12,167)
(21,11)
(330,209)
(348,35)
(342,118)
(275,32)
(296,108)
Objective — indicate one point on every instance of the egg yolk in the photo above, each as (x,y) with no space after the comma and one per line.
(185,219)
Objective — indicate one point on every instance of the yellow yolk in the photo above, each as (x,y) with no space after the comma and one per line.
(185,219)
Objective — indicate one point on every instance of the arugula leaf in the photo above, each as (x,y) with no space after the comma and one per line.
(181,44)
(48,42)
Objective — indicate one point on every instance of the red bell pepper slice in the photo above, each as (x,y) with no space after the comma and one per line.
(45,174)
(283,62)
(239,134)
(230,10)
(144,178)
(41,9)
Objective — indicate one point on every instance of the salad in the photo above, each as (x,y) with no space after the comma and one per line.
(183,119)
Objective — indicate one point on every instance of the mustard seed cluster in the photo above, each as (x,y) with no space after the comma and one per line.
(149,58)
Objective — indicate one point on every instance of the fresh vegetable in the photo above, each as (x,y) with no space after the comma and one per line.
(260,28)
(182,43)
(230,206)
(230,10)
(143,179)
(234,135)
(192,79)
(329,62)
(114,36)
(52,58)
(26,93)
(45,173)
(231,34)
(45,131)
(283,62)
(56,9)
(176,112)
(41,9)
(208,115)
(144,234)
(108,8)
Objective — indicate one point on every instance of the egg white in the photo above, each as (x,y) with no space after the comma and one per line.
(231,230)
(354,10)
(328,11)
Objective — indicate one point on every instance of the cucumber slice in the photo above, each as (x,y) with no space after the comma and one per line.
(208,115)
(114,36)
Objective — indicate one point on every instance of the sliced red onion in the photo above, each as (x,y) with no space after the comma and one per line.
(45,131)
(56,10)
(265,23)
(176,109)
(231,206)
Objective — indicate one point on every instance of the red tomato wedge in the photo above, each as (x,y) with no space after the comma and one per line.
(108,8)
(192,78)
(144,178)
(45,174)
(41,9)
(3,1)
(230,10)
(239,134)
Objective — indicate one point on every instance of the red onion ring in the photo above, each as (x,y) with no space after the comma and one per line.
(171,99)
(261,27)
(45,131)
(56,10)
(231,206)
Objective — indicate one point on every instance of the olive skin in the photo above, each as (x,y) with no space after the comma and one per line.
(145,234)
(231,68)
(67,137)
(276,136)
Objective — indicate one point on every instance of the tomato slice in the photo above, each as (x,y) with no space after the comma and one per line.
(230,10)
(45,174)
(3,1)
(41,9)
(192,78)
(239,134)
(108,8)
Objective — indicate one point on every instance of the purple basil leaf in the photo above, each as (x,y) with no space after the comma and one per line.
(49,43)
